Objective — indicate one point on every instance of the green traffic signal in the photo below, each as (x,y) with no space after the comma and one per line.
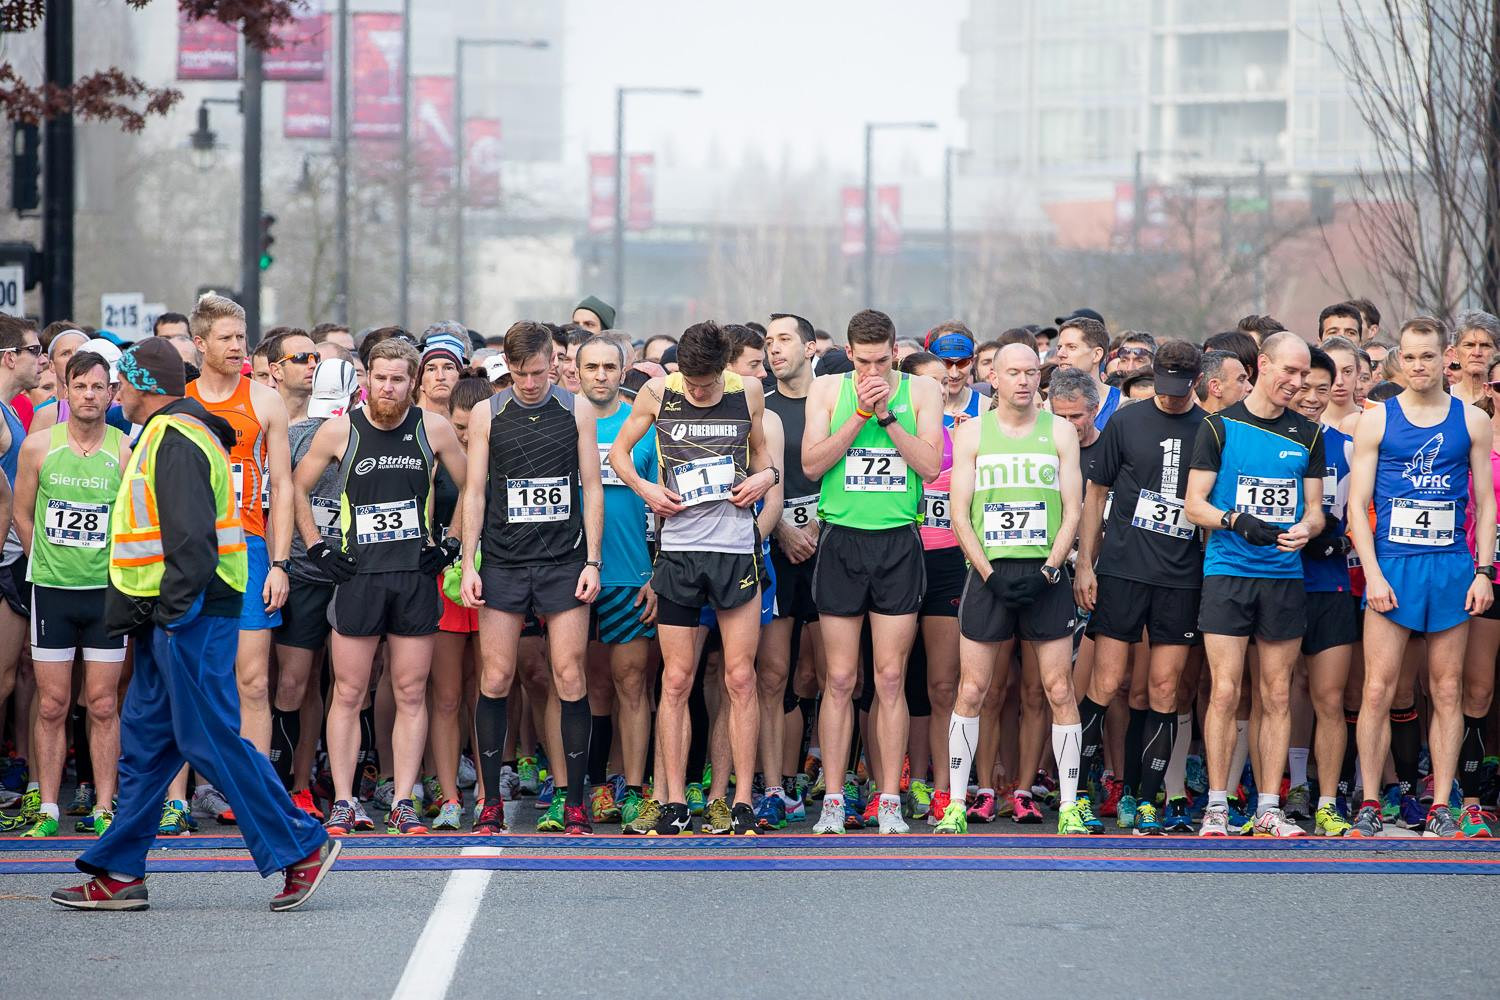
(266,260)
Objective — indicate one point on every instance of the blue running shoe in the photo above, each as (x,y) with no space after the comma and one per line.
(1341,804)
(797,811)
(1093,824)
(1240,822)
(771,813)
(1390,804)
(1197,775)
(544,795)
(852,818)
(13,776)
(1125,811)
(1456,799)
(1413,814)
(1146,823)
(1176,818)
(852,796)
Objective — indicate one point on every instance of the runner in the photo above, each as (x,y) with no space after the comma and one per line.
(1223,383)
(66,479)
(1476,335)
(534,510)
(1479,666)
(383,568)
(1083,343)
(1016,475)
(1256,485)
(714,466)
(873,436)
(1342,319)
(1149,566)
(1410,455)
(20,353)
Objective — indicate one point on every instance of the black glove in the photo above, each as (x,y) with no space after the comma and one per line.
(339,567)
(1330,543)
(435,557)
(996,585)
(1022,591)
(1255,531)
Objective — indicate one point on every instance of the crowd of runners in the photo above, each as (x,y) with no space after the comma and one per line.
(757,575)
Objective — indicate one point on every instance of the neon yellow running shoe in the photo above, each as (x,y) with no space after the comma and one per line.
(1070,821)
(955,819)
(31,811)
(102,820)
(552,819)
(46,826)
(1328,823)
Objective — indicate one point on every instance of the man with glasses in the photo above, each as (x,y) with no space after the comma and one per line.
(20,354)
(293,358)
(1136,352)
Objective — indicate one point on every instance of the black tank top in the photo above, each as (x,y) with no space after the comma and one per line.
(533,514)
(383,505)
(799,493)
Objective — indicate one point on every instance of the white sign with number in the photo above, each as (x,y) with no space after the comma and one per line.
(874,470)
(150,312)
(77,525)
(538,501)
(121,313)
(377,523)
(935,510)
(1272,499)
(1422,522)
(1161,514)
(1015,523)
(12,289)
(799,512)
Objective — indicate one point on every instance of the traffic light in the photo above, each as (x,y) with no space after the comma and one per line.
(266,239)
(25,168)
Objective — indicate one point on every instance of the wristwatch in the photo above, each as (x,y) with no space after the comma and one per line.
(1224,521)
(285,565)
(1488,572)
(1052,573)
(594,563)
(887,420)
(776,476)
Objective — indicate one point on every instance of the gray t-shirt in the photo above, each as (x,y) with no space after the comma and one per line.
(325,501)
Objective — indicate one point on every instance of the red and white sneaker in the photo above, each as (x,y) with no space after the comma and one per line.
(303,878)
(939,804)
(104,893)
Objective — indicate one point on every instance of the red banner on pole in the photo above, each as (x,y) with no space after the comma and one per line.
(853,242)
(482,162)
(432,132)
(888,219)
(601,192)
(377,76)
(640,190)
(303,52)
(309,110)
(207,49)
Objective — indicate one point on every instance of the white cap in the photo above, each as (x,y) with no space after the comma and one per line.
(334,383)
(495,367)
(106,350)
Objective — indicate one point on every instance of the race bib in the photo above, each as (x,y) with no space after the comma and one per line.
(1272,500)
(935,509)
(538,501)
(704,479)
(1330,487)
(1421,522)
(800,512)
(377,523)
(326,517)
(265,489)
(1022,523)
(874,470)
(607,471)
(1162,515)
(76,525)
(650,527)
(237,474)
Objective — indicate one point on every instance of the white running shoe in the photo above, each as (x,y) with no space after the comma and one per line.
(466,774)
(510,783)
(1273,823)
(208,801)
(889,814)
(1215,822)
(832,819)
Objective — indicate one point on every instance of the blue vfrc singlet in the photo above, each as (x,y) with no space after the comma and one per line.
(1421,484)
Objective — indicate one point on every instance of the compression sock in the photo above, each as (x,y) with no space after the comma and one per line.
(1351,751)
(83,760)
(1065,747)
(963,738)
(1161,735)
(491,716)
(575,735)
(601,735)
(1470,756)
(286,729)
(1406,747)
(367,745)
(1135,733)
(1091,718)
(1176,776)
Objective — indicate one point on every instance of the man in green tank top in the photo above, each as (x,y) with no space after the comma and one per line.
(1016,473)
(66,479)
(873,436)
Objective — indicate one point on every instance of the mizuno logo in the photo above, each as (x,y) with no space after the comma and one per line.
(671,406)
(747,582)
(535,418)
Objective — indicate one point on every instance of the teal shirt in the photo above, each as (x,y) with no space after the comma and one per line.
(625,555)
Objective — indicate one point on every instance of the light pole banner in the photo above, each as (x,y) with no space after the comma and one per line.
(482,162)
(888,219)
(377,77)
(309,110)
(432,132)
(601,192)
(640,190)
(303,52)
(853,243)
(207,49)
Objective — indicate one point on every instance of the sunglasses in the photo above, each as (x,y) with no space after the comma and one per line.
(300,358)
(1135,352)
(35,350)
(959,363)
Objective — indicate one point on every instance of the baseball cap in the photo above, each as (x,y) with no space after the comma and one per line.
(1176,365)
(495,367)
(1083,313)
(106,350)
(334,382)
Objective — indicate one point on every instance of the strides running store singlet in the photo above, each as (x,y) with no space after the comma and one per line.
(248,456)
(703,452)
(800,506)
(1017,505)
(533,512)
(1422,484)
(870,487)
(387,476)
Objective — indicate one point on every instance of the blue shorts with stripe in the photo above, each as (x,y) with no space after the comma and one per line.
(616,619)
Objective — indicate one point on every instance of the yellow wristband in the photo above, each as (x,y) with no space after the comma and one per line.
(863,414)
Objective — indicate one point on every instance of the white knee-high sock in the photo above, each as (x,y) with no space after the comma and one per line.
(1067,747)
(963,737)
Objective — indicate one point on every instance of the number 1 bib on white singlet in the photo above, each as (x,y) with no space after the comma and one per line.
(77,525)
(607,471)
(1421,522)
(326,517)
(704,479)
(1161,514)
(874,470)
(1273,500)
(1023,523)
(375,523)
(537,501)
(799,512)
(935,510)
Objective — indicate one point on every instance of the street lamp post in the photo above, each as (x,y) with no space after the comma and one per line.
(870,128)
(341,154)
(619,302)
(458,150)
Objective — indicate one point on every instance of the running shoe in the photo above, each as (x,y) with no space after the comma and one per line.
(432,795)
(888,815)
(510,783)
(617,785)
(545,794)
(83,800)
(646,818)
(450,816)
(800,784)
(1176,818)
(796,810)
(1441,824)
(14,776)
(104,893)
(852,818)
(852,794)
(1125,811)
(45,826)
(1328,823)
(1093,824)
(8,798)
(771,813)
(491,819)
(31,809)
(1366,824)
(1341,803)
(385,793)
(1197,775)
(526,771)
(630,806)
(102,819)
(939,808)
(818,788)
(1413,813)
(696,801)
(403,819)
(1455,798)
(174,819)
(551,821)
(1240,821)
(340,819)
(1390,804)
(304,800)
(576,821)
(1069,822)
(1489,780)
(1215,822)
(369,781)
(1426,795)
(1146,822)
(708,774)
(919,798)
(467,775)
(673,819)
(602,805)
(717,819)
(1114,791)
(1273,823)
(209,801)
(303,878)
(832,819)
(955,819)
(742,820)
(1023,809)
(1044,789)
(1299,803)
(1472,821)
(983,809)
(871,814)
(363,823)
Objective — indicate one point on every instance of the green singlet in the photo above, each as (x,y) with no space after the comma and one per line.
(1017,505)
(871,488)
(70,536)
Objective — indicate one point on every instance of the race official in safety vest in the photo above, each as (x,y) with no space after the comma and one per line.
(176,575)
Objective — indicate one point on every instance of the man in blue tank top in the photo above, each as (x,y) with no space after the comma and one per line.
(1414,457)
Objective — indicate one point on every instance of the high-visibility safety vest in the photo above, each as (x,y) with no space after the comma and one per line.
(136,559)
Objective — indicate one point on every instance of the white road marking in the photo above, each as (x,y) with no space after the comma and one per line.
(434,960)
